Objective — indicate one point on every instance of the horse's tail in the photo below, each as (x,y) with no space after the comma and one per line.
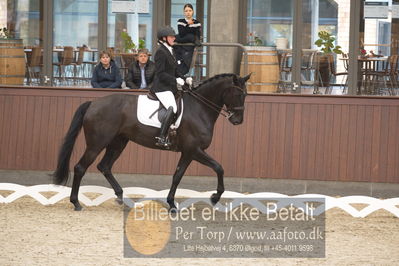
(61,174)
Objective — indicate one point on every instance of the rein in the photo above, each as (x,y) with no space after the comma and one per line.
(226,112)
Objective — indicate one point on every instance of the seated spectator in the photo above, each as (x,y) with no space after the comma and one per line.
(106,74)
(141,73)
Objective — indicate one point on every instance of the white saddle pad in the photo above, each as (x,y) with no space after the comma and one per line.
(147,107)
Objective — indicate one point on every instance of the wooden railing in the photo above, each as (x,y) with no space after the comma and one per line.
(283,136)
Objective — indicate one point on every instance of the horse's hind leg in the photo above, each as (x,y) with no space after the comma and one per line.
(202,157)
(184,162)
(112,153)
(80,168)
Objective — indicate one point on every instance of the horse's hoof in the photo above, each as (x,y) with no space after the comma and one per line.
(119,201)
(173,210)
(76,205)
(215,198)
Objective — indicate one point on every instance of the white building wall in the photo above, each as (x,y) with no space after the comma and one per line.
(343,29)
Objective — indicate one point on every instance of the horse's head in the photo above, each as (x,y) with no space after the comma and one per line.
(234,99)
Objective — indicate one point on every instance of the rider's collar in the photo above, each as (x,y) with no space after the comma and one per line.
(170,48)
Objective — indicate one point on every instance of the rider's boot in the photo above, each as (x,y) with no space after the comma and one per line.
(162,140)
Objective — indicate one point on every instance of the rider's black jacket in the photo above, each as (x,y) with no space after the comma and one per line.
(166,71)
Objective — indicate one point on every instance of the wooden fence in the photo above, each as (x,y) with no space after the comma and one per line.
(283,136)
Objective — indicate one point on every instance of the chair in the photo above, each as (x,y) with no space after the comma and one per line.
(34,65)
(311,71)
(379,78)
(112,51)
(309,67)
(334,72)
(325,68)
(66,59)
(90,64)
(395,74)
(285,72)
(125,61)
(78,63)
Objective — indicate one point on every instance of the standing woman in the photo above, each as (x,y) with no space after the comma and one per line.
(167,76)
(189,32)
(106,74)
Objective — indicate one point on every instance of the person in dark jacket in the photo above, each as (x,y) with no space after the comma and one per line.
(189,32)
(106,74)
(141,72)
(167,76)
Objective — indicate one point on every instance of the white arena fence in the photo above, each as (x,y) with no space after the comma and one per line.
(344,203)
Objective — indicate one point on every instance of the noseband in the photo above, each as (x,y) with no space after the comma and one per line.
(226,112)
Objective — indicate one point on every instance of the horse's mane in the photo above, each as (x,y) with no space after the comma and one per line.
(218,76)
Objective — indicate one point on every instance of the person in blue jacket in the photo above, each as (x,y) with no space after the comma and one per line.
(106,74)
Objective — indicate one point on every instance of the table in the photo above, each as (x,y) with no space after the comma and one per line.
(76,52)
(367,67)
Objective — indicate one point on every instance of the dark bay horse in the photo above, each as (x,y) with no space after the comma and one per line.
(111,121)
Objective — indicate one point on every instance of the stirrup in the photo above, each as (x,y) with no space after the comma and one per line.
(162,142)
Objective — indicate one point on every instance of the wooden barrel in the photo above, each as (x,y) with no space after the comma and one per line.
(263,63)
(12,62)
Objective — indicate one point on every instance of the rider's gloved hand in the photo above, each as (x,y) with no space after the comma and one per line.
(189,81)
(180,81)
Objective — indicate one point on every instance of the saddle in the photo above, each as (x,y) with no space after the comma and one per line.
(162,110)
(172,133)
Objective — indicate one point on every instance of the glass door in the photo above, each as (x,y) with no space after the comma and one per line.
(129,29)
(125,23)
(325,46)
(378,54)
(200,13)
(75,41)
(269,45)
(21,43)
(198,62)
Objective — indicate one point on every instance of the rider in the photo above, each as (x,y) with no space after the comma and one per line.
(166,79)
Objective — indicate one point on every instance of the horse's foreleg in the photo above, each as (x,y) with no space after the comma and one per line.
(112,153)
(203,158)
(79,170)
(181,168)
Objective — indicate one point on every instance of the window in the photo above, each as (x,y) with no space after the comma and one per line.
(268,20)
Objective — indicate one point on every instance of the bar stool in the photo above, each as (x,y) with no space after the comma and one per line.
(379,78)
(34,65)
(78,64)
(336,74)
(65,61)
(285,72)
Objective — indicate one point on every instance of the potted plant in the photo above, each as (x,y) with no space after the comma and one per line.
(6,34)
(129,48)
(254,40)
(326,42)
(141,44)
(127,42)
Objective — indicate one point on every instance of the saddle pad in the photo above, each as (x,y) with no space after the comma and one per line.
(147,107)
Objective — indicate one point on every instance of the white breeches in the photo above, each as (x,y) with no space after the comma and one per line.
(167,99)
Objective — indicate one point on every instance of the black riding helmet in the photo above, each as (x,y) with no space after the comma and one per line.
(164,32)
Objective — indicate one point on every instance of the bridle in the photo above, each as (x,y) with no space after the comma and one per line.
(226,112)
